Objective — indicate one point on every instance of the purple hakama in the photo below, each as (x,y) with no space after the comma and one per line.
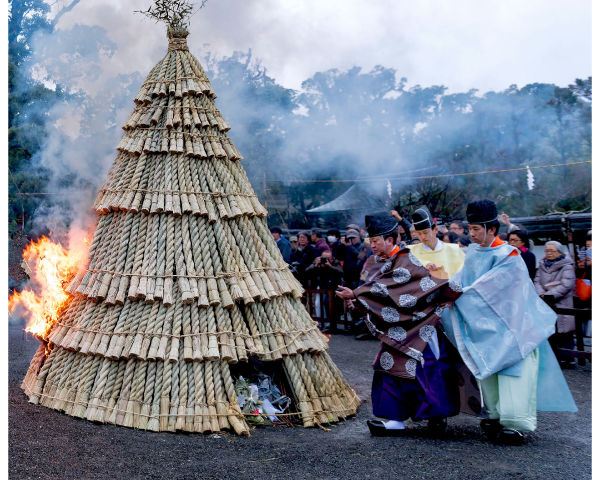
(434,393)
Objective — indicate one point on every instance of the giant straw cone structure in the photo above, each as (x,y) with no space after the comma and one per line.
(183,281)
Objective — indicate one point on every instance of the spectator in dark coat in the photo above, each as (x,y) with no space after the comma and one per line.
(282,243)
(338,249)
(294,243)
(316,237)
(304,256)
(519,239)
(325,272)
(356,256)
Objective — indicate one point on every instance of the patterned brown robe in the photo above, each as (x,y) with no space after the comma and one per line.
(402,300)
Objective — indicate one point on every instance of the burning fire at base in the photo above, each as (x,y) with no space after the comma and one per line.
(50,267)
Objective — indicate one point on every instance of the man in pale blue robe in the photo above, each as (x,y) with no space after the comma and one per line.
(500,327)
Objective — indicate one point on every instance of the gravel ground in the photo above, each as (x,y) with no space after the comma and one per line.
(46,444)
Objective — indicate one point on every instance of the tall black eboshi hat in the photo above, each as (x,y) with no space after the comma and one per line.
(422,219)
(380,223)
(480,212)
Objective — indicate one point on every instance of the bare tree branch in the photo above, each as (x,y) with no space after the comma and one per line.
(175,13)
(62,11)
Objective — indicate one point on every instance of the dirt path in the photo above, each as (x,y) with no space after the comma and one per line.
(46,444)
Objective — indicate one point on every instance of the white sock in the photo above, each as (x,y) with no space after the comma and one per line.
(394,425)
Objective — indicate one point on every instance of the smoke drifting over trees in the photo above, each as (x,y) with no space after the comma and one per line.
(342,124)
(353,124)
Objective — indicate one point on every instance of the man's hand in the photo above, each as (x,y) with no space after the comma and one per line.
(504,218)
(446,304)
(443,229)
(396,215)
(432,267)
(345,293)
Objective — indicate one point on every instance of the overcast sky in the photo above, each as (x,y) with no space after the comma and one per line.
(462,44)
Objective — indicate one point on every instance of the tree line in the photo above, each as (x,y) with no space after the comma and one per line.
(341,124)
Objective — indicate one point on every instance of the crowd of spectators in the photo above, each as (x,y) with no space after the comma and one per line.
(325,261)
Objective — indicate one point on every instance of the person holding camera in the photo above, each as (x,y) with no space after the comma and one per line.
(326,272)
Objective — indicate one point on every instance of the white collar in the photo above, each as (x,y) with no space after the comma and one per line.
(438,246)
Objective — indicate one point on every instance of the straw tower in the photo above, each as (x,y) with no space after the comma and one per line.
(183,281)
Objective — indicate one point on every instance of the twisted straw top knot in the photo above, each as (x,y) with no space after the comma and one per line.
(178,44)
(177,38)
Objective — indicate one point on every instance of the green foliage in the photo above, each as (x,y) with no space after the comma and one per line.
(26,132)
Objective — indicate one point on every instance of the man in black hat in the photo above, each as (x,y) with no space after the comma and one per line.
(500,329)
(402,304)
(442,259)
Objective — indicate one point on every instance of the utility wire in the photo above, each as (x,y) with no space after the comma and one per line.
(362,180)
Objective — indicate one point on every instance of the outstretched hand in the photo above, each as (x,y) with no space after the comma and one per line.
(344,293)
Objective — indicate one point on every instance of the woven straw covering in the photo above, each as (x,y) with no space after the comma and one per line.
(177,44)
(183,280)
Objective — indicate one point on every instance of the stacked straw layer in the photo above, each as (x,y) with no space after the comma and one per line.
(166,395)
(182,280)
(270,330)
(137,256)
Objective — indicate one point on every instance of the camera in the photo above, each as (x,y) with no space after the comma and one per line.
(323,261)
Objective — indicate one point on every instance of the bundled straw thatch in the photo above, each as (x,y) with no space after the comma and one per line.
(183,279)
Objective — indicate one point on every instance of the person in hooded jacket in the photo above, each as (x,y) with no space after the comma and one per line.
(555,284)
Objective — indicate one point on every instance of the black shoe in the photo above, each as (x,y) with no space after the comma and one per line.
(377,429)
(491,427)
(437,426)
(510,436)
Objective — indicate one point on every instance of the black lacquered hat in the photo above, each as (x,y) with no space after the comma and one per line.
(482,211)
(422,219)
(380,223)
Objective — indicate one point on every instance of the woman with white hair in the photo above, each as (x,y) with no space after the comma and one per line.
(555,284)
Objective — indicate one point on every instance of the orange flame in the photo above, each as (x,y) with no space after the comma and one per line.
(53,269)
